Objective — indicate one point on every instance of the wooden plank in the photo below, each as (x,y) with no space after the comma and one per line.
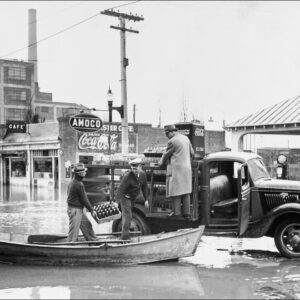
(86,242)
(50,238)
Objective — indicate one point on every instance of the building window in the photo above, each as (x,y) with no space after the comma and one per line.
(42,167)
(18,167)
(45,109)
(15,94)
(17,73)
(15,114)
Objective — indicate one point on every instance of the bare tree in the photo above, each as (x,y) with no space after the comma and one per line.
(31,116)
(184,111)
(159,114)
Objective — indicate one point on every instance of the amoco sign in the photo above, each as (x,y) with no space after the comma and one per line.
(86,122)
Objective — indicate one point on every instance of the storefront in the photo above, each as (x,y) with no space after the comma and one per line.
(31,158)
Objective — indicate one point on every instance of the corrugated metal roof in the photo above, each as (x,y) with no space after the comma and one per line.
(282,113)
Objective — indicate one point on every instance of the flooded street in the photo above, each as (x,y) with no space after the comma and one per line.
(223,268)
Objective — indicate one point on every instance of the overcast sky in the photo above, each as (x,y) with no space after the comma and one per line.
(223,60)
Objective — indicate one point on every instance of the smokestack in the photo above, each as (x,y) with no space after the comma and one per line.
(32,40)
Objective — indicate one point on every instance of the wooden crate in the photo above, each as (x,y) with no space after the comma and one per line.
(108,219)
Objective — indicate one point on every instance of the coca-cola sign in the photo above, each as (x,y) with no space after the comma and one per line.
(104,142)
(86,122)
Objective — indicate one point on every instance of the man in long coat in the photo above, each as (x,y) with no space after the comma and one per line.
(178,157)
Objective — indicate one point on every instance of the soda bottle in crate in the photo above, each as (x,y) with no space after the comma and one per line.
(107,211)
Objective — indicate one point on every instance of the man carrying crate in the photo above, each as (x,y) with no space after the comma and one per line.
(77,202)
(131,184)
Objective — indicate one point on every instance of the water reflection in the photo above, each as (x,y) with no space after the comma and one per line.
(172,281)
(25,210)
(156,281)
(13,193)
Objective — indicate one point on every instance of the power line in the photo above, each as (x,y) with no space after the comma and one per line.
(69,8)
(55,12)
(52,35)
(124,4)
(63,30)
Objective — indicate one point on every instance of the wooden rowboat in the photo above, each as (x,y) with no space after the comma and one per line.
(54,250)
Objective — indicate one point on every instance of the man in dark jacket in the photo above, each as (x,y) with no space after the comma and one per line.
(131,184)
(77,202)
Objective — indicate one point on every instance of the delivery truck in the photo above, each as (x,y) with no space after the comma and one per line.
(232,195)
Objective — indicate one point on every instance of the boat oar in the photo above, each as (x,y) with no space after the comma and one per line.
(85,242)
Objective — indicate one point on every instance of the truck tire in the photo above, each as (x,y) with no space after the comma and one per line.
(138,223)
(287,238)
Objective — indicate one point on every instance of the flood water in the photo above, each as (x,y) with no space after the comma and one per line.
(223,268)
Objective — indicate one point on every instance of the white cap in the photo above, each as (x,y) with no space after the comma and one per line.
(135,162)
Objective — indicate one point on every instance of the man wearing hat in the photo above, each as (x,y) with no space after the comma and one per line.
(131,184)
(177,157)
(77,202)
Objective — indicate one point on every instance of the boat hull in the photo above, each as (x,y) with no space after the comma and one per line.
(144,249)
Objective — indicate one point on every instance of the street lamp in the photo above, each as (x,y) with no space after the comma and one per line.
(120,110)
(110,97)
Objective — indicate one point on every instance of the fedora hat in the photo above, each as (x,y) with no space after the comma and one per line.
(136,162)
(169,128)
(79,167)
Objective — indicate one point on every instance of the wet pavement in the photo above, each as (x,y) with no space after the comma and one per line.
(223,268)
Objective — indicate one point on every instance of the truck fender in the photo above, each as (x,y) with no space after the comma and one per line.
(264,225)
(140,208)
(286,208)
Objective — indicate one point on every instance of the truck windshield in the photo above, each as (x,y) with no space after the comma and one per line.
(258,169)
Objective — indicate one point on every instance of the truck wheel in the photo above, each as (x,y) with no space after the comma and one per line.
(287,238)
(138,223)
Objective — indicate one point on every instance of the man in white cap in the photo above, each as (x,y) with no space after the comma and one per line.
(77,202)
(131,184)
(178,157)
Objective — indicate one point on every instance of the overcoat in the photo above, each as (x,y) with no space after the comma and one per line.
(177,157)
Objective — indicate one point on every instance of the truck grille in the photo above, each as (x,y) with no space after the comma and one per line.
(273,200)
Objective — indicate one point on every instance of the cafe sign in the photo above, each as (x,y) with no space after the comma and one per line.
(85,122)
(16,127)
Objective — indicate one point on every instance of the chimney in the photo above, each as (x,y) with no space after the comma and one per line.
(32,41)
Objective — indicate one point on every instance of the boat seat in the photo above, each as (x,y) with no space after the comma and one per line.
(221,195)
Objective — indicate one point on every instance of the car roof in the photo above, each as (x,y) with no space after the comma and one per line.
(232,155)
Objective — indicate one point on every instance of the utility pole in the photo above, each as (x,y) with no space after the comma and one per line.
(134,113)
(124,64)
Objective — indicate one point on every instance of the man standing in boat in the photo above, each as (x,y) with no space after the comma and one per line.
(131,184)
(78,202)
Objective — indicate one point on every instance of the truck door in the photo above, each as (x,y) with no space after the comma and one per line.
(243,198)
(204,216)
